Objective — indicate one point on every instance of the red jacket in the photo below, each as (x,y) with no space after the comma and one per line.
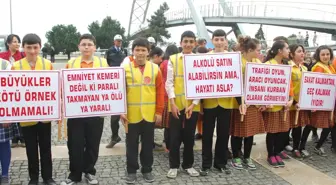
(164,70)
(17,56)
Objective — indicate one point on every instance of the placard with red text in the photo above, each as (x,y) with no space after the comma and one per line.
(317,91)
(94,92)
(212,75)
(28,96)
(267,84)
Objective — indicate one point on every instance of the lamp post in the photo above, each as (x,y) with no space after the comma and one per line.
(10,16)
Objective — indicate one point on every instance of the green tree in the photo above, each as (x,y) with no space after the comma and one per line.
(106,31)
(64,38)
(158,24)
(232,43)
(292,39)
(260,34)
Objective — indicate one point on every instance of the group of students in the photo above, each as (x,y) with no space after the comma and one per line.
(155,97)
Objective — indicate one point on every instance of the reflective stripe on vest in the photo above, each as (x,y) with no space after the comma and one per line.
(43,64)
(3,64)
(73,62)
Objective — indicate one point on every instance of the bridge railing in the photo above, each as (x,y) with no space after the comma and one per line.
(261,9)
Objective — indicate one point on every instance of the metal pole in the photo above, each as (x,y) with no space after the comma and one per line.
(10,17)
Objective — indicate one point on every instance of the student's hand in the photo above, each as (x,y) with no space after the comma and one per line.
(242,109)
(297,106)
(175,111)
(189,110)
(123,117)
(289,104)
(158,119)
(262,108)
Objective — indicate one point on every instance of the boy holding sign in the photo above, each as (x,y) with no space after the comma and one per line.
(145,104)
(183,113)
(36,133)
(84,134)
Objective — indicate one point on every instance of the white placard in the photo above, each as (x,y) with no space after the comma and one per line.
(317,91)
(94,92)
(212,75)
(267,84)
(28,96)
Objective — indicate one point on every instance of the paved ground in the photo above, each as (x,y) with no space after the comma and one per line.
(110,170)
(326,165)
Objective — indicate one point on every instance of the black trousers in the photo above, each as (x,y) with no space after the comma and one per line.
(145,130)
(274,143)
(115,126)
(223,117)
(236,145)
(182,130)
(38,138)
(166,138)
(20,138)
(306,131)
(84,136)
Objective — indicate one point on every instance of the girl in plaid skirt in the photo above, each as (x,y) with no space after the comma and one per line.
(8,131)
(320,119)
(275,124)
(297,58)
(253,122)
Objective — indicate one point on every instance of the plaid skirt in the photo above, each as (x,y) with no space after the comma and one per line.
(8,133)
(165,117)
(321,119)
(303,119)
(275,123)
(253,123)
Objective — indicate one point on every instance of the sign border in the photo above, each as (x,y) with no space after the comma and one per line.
(289,84)
(215,96)
(93,115)
(301,83)
(59,116)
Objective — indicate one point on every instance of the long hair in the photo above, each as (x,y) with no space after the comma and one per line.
(293,48)
(278,45)
(170,50)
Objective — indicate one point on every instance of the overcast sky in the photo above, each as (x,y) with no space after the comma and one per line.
(38,16)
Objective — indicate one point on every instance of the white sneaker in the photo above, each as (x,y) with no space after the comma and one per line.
(91,179)
(192,172)
(289,148)
(172,173)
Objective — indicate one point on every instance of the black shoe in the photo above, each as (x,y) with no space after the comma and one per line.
(50,182)
(225,169)
(148,177)
(198,136)
(113,142)
(131,178)
(204,171)
(33,182)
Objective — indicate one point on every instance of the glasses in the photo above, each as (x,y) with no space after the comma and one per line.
(88,45)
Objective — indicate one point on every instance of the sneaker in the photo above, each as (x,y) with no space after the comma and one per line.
(49,182)
(172,173)
(225,169)
(192,172)
(320,151)
(280,162)
(113,142)
(305,153)
(68,182)
(284,155)
(289,148)
(315,138)
(237,164)
(14,145)
(4,180)
(249,163)
(204,171)
(130,178)
(91,179)
(33,182)
(272,162)
(297,154)
(198,136)
(148,177)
